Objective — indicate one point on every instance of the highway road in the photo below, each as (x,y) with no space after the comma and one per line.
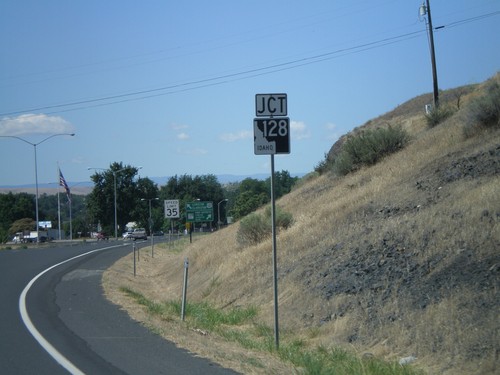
(82,331)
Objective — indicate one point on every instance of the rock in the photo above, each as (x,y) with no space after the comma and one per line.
(407,360)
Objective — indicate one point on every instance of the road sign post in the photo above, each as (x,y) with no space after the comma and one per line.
(272,136)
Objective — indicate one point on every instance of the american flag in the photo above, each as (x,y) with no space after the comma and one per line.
(62,182)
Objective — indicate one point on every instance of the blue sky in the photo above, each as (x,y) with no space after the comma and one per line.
(170,85)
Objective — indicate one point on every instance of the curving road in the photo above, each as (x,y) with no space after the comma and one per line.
(84,332)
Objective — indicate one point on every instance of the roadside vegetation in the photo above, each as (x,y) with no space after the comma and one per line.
(238,326)
(256,227)
(394,262)
(368,148)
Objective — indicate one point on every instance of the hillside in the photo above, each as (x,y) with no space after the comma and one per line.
(399,259)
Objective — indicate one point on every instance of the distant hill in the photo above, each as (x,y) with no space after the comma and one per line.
(397,260)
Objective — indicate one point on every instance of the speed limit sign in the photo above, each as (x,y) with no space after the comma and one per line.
(172,209)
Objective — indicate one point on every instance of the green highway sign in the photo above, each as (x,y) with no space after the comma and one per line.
(199,211)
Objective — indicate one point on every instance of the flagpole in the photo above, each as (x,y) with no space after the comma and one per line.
(59,213)
(62,182)
(70,219)
(58,203)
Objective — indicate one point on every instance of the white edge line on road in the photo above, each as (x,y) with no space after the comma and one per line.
(63,361)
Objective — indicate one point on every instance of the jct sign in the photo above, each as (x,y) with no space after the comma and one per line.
(271,134)
(270,105)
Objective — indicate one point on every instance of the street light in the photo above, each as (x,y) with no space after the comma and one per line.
(150,222)
(36,171)
(114,183)
(218,212)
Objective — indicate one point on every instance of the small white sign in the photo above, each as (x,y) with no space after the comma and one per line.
(172,209)
(271,105)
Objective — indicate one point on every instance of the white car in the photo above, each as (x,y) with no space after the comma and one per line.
(139,234)
(127,234)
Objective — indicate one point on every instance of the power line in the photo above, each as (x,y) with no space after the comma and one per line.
(202,83)
(226,78)
(471,19)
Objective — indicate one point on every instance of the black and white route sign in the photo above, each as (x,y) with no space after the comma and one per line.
(271,136)
(271,105)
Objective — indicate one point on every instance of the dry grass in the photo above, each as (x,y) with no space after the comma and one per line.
(404,209)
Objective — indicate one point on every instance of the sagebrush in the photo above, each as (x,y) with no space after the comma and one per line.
(438,115)
(256,227)
(368,147)
(484,111)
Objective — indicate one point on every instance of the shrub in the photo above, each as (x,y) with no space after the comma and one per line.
(322,166)
(254,228)
(484,111)
(284,220)
(438,115)
(368,147)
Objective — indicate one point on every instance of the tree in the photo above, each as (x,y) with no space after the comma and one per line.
(101,201)
(247,202)
(14,207)
(147,190)
(21,225)
(47,206)
(252,194)
(187,188)
(283,183)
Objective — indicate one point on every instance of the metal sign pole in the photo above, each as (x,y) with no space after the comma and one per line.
(184,289)
(275,267)
(272,136)
(133,248)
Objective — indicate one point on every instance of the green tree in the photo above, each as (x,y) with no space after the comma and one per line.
(101,201)
(252,194)
(47,207)
(187,188)
(80,219)
(21,225)
(283,183)
(148,190)
(14,207)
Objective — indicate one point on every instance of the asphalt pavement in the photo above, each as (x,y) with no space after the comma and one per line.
(67,306)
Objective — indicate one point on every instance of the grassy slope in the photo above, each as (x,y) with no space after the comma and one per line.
(398,259)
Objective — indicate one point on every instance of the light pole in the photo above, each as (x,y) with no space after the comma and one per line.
(150,222)
(218,212)
(36,171)
(426,10)
(114,188)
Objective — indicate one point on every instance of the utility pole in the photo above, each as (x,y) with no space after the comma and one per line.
(426,10)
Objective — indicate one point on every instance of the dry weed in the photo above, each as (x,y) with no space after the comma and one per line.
(419,232)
